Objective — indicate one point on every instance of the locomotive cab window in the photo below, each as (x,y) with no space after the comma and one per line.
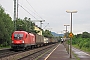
(18,36)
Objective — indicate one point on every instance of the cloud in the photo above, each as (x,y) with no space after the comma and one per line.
(54,12)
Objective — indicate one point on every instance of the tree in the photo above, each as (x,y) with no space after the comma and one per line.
(26,25)
(6,28)
(85,35)
(47,33)
(82,40)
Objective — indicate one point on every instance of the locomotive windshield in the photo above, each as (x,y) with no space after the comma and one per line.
(18,36)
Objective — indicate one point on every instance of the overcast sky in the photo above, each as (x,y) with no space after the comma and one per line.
(54,13)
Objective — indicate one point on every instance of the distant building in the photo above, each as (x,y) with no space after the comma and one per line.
(38,29)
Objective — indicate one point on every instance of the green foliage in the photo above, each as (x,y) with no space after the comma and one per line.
(85,35)
(47,33)
(82,40)
(78,35)
(26,25)
(6,28)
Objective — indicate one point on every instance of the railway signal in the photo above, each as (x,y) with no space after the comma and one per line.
(71,35)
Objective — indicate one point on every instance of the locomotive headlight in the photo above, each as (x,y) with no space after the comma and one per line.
(12,41)
(22,41)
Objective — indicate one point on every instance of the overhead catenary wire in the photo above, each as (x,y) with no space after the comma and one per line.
(46,26)
(34,10)
(31,11)
(27,11)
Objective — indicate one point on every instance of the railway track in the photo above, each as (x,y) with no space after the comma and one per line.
(30,54)
(36,55)
(7,52)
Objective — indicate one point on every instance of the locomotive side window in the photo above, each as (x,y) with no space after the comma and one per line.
(26,35)
(18,36)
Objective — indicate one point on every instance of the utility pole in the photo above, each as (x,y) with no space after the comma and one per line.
(39,21)
(17,9)
(66,30)
(46,25)
(66,27)
(67,46)
(15,14)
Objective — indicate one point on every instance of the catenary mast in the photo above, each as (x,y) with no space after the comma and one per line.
(15,14)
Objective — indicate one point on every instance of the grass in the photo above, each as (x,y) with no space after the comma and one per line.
(76,46)
(83,48)
(87,50)
(5,47)
(75,55)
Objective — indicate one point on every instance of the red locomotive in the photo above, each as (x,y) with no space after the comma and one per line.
(22,40)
